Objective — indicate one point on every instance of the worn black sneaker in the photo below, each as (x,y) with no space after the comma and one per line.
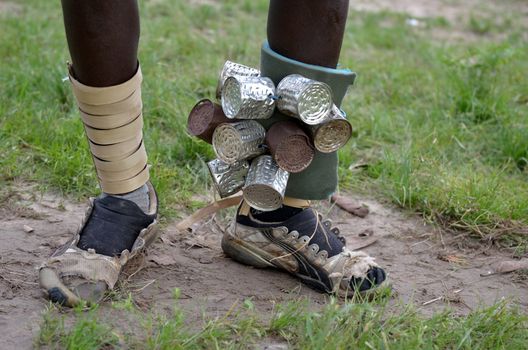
(304,245)
(113,231)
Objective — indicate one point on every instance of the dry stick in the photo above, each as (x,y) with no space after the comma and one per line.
(145,286)
(440,298)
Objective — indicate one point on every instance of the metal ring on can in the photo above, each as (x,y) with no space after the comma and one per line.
(333,134)
(248,97)
(290,146)
(228,179)
(304,98)
(204,118)
(265,184)
(232,69)
(237,141)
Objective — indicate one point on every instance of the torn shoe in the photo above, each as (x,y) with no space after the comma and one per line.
(75,272)
(306,246)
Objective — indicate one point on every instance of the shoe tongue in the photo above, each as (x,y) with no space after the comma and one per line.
(306,223)
(113,226)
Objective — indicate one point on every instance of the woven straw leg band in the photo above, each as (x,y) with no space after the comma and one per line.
(113,123)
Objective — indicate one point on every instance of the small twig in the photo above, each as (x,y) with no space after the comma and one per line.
(145,286)
(440,298)
(424,241)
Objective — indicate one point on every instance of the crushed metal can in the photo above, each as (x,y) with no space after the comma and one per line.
(265,184)
(239,140)
(228,179)
(333,133)
(233,69)
(204,118)
(290,146)
(248,97)
(303,98)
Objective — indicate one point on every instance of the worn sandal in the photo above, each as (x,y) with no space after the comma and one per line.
(72,274)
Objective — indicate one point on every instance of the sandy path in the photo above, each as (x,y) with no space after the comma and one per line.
(412,253)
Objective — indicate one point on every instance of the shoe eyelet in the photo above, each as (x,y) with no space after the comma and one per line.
(314,248)
(327,223)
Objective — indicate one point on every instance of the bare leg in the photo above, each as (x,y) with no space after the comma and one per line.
(310,31)
(103,39)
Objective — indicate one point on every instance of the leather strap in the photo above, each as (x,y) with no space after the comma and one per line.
(116,151)
(125,186)
(111,176)
(289,201)
(112,108)
(105,95)
(244,209)
(296,202)
(111,121)
(139,156)
(111,136)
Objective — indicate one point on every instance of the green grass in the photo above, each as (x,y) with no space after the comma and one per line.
(442,126)
(337,325)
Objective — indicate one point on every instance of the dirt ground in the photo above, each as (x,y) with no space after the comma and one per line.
(457,13)
(424,265)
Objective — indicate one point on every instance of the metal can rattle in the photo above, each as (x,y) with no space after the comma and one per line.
(303,98)
(265,184)
(248,97)
(237,141)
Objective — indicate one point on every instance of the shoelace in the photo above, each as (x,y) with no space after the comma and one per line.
(327,224)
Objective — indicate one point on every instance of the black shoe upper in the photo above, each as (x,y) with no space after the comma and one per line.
(308,223)
(113,226)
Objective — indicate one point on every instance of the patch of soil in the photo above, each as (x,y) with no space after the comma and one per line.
(8,8)
(424,266)
(457,13)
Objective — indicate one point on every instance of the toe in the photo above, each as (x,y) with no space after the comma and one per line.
(57,296)
(375,276)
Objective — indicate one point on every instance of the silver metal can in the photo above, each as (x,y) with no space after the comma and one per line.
(248,97)
(233,69)
(303,98)
(265,184)
(237,141)
(228,179)
(333,133)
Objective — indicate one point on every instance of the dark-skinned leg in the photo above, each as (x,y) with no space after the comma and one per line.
(309,31)
(106,81)
(103,39)
(304,36)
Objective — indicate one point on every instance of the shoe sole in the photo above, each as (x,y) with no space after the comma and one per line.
(248,254)
(237,250)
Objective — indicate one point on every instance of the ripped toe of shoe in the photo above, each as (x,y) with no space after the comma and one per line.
(375,277)
(56,296)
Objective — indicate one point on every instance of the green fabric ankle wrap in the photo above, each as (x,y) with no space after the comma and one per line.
(319,180)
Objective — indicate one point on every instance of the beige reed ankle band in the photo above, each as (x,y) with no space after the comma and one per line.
(113,123)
